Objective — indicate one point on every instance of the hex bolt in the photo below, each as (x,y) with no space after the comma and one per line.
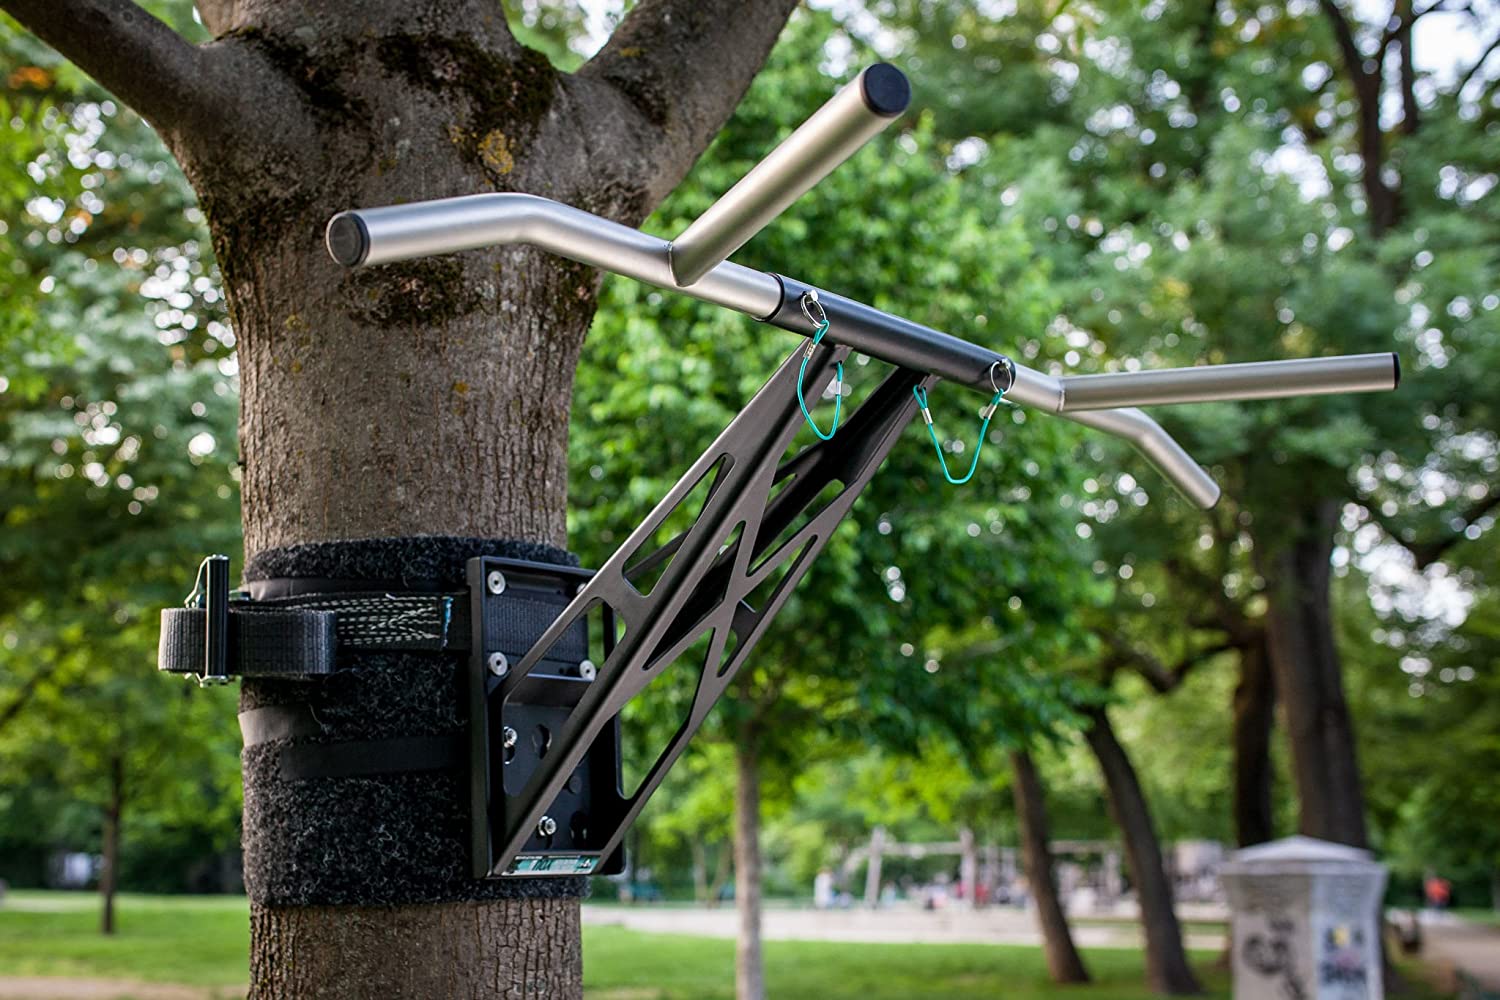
(508,736)
(498,664)
(587,670)
(546,826)
(495,581)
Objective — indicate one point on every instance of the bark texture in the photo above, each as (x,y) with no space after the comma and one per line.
(1309,679)
(1254,713)
(1167,969)
(430,397)
(1064,963)
(507,948)
(749,962)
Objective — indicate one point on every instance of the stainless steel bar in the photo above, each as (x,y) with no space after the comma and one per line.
(1213,383)
(447,225)
(402,232)
(853,116)
(1159,448)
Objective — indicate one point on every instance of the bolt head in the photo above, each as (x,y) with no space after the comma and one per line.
(508,736)
(494,581)
(546,826)
(587,670)
(498,664)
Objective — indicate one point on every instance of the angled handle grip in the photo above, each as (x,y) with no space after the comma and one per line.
(851,118)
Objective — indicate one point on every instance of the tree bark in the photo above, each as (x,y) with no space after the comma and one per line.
(504,948)
(1309,677)
(426,398)
(1063,961)
(1167,969)
(1254,714)
(109,874)
(749,962)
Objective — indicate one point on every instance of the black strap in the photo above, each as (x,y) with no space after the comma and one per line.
(349,759)
(262,643)
(297,635)
(278,722)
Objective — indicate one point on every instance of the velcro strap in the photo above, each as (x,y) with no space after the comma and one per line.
(262,643)
(349,759)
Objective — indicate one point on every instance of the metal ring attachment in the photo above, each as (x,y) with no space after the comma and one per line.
(809,303)
(1010,371)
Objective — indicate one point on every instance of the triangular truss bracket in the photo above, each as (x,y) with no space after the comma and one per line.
(760,527)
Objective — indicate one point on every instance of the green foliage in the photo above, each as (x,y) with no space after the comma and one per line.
(1191,173)
(117,468)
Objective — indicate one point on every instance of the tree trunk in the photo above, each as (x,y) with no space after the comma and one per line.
(1254,719)
(1063,961)
(722,873)
(749,963)
(700,871)
(109,875)
(1309,678)
(503,948)
(1167,969)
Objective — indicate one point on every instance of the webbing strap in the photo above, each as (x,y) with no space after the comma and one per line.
(262,643)
(298,635)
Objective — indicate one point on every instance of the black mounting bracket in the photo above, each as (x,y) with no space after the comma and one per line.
(723,579)
(512,603)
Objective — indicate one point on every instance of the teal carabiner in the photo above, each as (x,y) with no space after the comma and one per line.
(821,320)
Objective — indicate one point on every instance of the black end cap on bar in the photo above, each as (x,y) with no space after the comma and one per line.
(348,240)
(886,89)
(1395,369)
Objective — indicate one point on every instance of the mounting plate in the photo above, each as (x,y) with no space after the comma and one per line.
(510,735)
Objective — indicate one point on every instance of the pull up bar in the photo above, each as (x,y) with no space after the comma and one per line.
(694,264)
(772,508)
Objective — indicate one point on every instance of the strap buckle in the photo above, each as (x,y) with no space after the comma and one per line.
(211,593)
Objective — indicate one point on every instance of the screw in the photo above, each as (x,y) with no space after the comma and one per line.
(498,664)
(508,735)
(495,581)
(587,670)
(546,826)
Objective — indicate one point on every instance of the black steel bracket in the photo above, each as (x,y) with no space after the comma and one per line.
(512,602)
(723,580)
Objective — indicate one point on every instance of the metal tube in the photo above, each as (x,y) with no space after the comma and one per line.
(401,232)
(426,228)
(1214,383)
(851,118)
(1159,448)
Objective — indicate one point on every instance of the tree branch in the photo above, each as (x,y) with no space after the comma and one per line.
(136,57)
(1343,34)
(1428,551)
(21,698)
(1478,65)
(681,67)
(1162,678)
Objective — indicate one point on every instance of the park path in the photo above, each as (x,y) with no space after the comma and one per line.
(1457,945)
(68,988)
(953,925)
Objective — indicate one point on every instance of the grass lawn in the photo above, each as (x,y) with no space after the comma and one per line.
(202,941)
